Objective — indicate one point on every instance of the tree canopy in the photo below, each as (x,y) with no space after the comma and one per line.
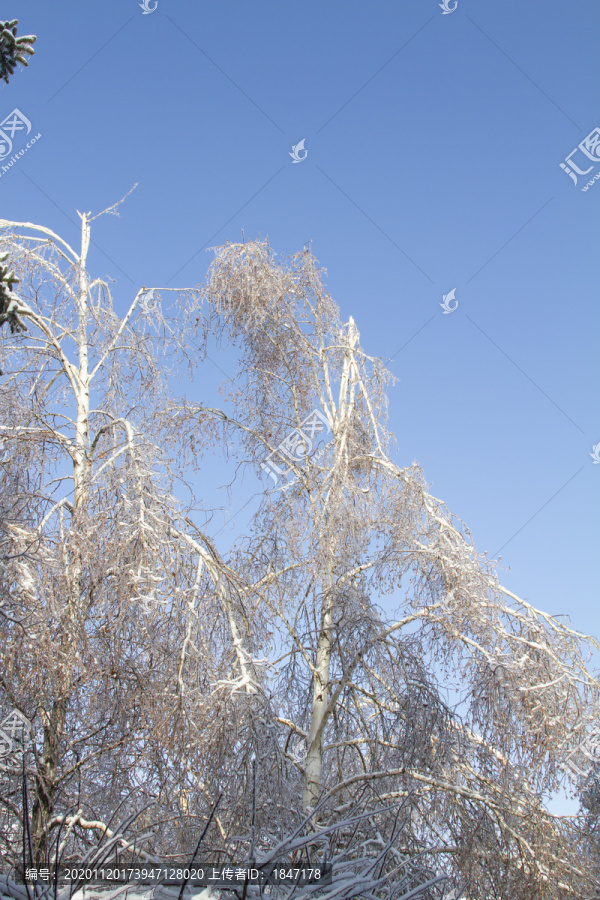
(351,656)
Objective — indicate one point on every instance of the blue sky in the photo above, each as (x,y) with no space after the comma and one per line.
(434,147)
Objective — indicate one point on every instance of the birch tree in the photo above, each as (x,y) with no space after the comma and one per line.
(365,690)
(354,648)
(117,622)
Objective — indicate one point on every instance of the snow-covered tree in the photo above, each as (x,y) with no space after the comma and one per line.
(589,795)
(353,649)
(361,687)
(8,299)
(13,49)
(105,586)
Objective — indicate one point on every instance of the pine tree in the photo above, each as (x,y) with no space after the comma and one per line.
(9,302)
(13,49)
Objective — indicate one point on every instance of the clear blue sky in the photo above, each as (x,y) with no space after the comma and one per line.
(434,143)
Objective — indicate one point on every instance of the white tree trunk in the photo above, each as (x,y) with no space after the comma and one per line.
(314,755)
